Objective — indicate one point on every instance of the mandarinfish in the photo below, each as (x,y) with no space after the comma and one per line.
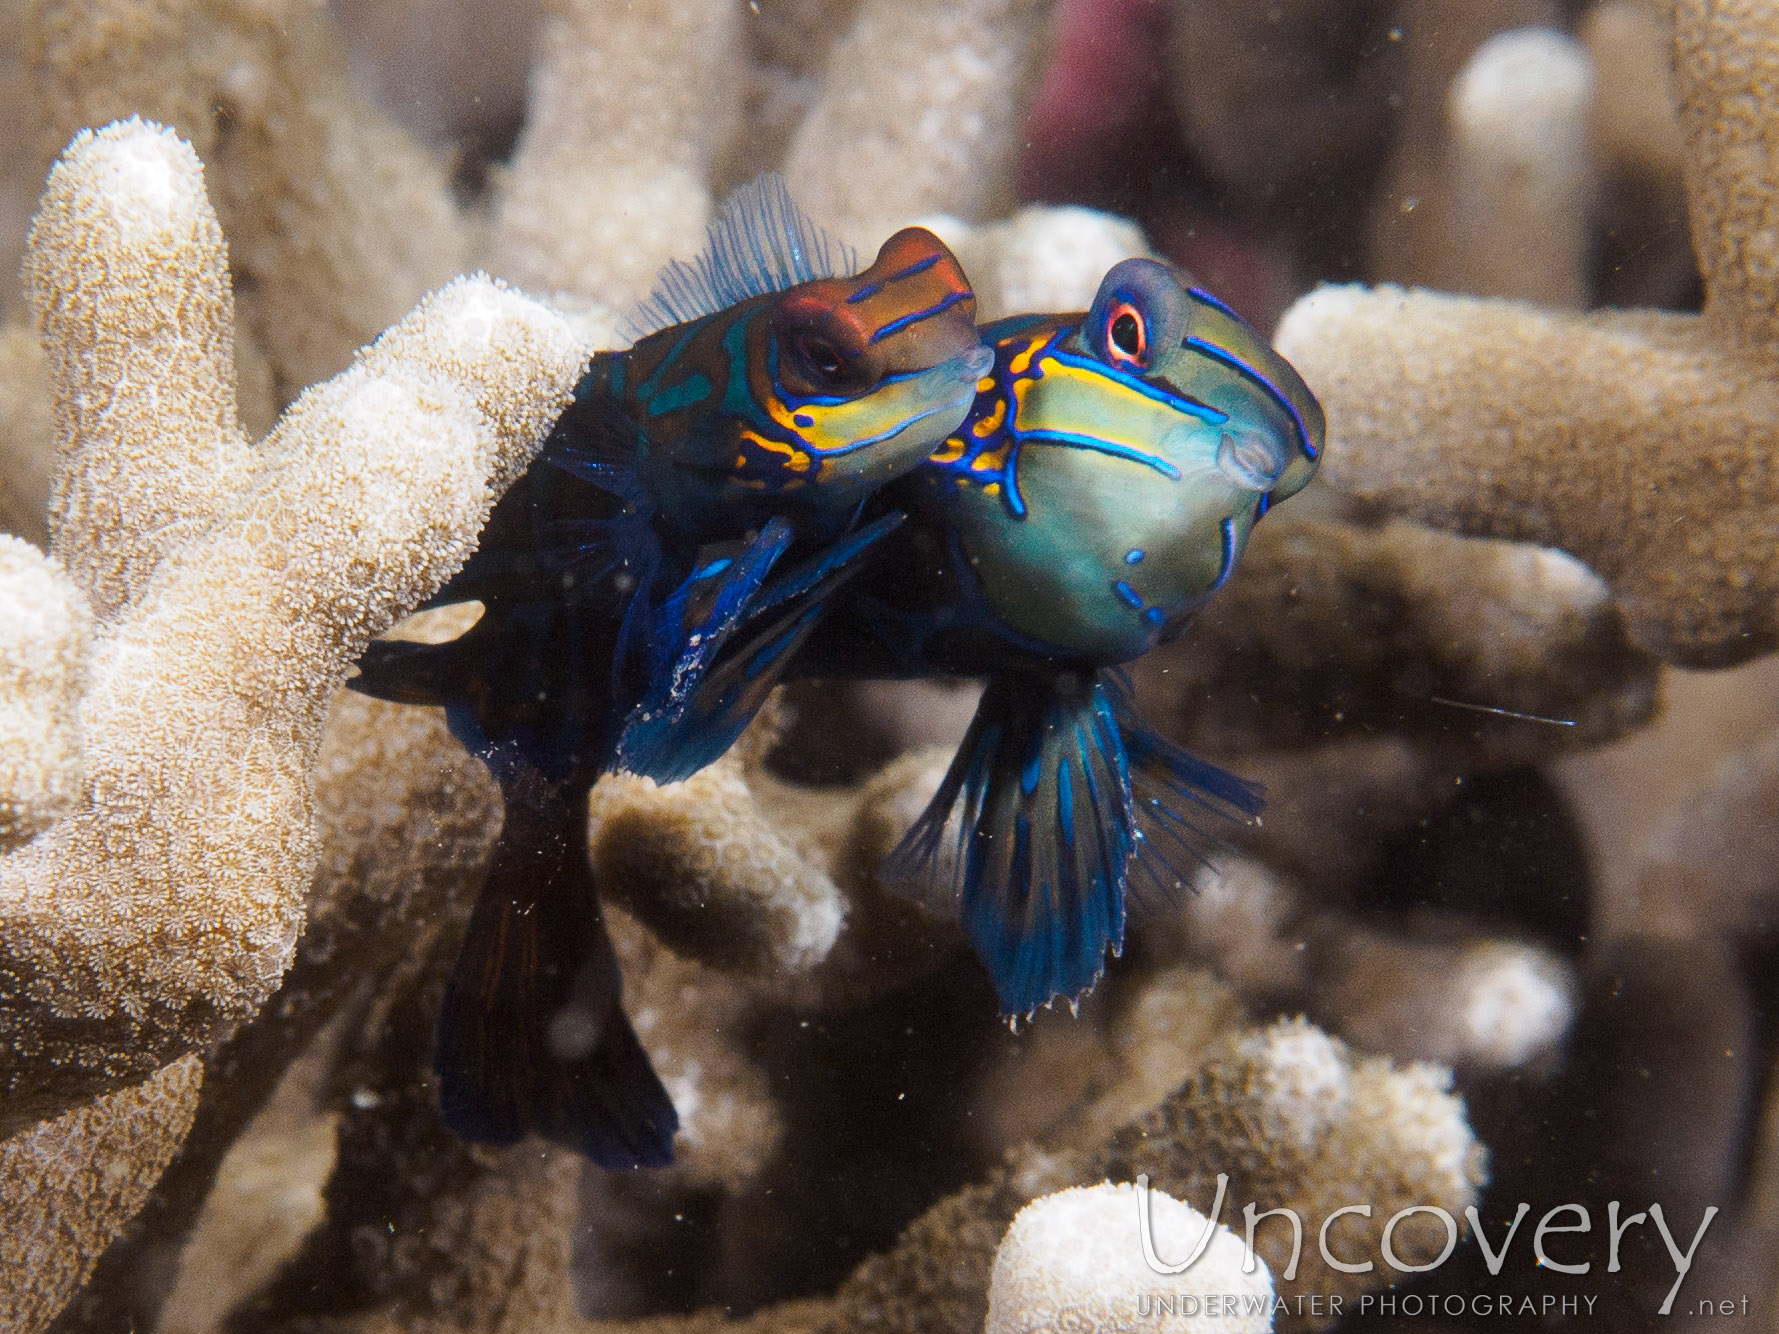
(1101,489)
(710,475)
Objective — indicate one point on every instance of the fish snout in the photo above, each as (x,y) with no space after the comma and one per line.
(1253,460)
(973,363)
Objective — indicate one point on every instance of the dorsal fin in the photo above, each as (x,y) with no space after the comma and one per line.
(759,242)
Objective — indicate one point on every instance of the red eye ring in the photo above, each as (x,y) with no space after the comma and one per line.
(1127,335)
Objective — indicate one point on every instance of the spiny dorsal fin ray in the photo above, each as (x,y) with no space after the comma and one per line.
(759,242)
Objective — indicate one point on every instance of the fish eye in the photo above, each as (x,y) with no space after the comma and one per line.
(821,356)
(1126,333)
(1141,306)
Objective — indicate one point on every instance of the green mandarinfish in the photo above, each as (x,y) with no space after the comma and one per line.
(1101,489)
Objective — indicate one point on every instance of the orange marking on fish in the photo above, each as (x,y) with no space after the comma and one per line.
(1022,359)
(991,423)
(991,460)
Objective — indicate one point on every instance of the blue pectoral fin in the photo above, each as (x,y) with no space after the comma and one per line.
(824,564)
(693,623)
(404,672)
(671,742)
(1186,808)
(1027,841)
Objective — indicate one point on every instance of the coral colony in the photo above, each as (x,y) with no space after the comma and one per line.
(1467,1028)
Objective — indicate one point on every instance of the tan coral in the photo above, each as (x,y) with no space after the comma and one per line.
(45,626)
(1298,1121)
(629,104)
(1635,125)
(1068,1263)
(920,113)
(141,924)
(1411,226)
(1635,440)
(27,440)
(337,218)
(1478,1003)
(698,862)
(1044,257)
(1522,169)
(1340,626)
(68,1186)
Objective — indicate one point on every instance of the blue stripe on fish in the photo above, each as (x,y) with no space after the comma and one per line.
(870,290)
(1235,363)
(939,307)
(1100,446)
(695,388)
(881,436)
(1173,398)
(1228,556)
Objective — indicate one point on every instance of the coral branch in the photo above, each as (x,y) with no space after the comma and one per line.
(141,357)
(44,630)
(1631,439)
(1726,67)
(69,1185)
(27,440)
(1067,1263)
(920,114)
(1641,442)
(629,103)
(166,905)
(336,217)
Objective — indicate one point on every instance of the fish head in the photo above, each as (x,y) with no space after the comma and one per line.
(1147,323)
(1144,439)
(864,375)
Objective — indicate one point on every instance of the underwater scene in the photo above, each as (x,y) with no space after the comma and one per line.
(889,666)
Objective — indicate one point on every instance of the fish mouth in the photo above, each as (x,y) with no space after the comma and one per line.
(971,364)
(1251,460)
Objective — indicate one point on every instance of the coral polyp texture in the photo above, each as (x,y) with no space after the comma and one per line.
(1501,937)
(1638,440)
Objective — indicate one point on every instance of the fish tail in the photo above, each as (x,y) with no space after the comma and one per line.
(1027,841)
(533,1036)
(1186,808)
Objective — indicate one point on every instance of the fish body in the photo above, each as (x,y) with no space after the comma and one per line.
(709,474)
(1102,489)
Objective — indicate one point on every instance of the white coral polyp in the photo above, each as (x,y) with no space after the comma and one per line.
(1515,1002)
(1074,1261)
(150,184)
(1302,1076)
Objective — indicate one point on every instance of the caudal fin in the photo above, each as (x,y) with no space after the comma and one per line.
(1029,842)
(1026,841)
(1185,808)
(532,1036)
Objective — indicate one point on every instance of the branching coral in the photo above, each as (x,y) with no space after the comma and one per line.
(68,1185)
(597,214)
(337,220)
(44,629)
(939,135)
(1637,440)
(1298,1123)
(141,924)
(1067,1264)
(27,447)
(203,795)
